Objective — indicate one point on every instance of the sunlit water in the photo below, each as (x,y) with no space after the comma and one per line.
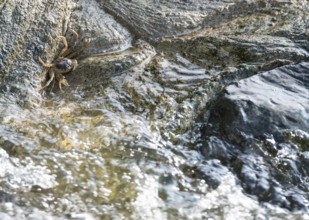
(129,150)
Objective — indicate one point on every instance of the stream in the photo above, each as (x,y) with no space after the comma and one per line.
(213,124)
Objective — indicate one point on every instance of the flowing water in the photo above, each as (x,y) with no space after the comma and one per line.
(145,133)
(126,150)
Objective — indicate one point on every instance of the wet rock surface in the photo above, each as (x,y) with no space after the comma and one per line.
(268,163)
(177,110)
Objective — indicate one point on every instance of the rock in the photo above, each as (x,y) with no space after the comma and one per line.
(259,127)
(30,32)
(98,69)
(157,19)
(128,126)
(262,38)
(268,102)
(93,22)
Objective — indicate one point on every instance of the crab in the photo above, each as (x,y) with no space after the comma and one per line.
(63,64)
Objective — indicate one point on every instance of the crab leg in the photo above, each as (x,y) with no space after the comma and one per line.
(76,53)
(51,77)
(67,53)
(75,34)
(65,43)
(47,65)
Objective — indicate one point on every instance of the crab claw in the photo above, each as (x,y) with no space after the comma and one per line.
(62,81)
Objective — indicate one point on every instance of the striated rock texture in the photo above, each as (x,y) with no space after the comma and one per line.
(30,30)
(179,109)
(154,19)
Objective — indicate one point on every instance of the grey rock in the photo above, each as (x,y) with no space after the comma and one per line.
(256,123)
(30,31)
(137,109)
(154,19)
(268,102)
